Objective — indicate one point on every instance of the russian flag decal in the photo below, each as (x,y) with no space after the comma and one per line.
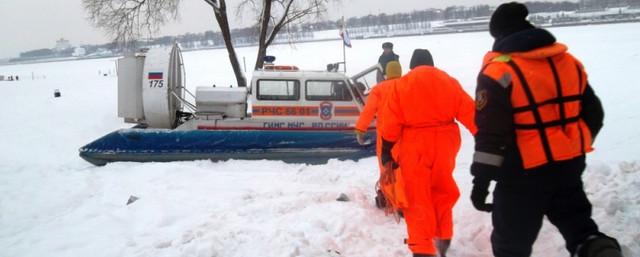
(155,75)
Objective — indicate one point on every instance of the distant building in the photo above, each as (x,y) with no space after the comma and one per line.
(601,4)
(79,51)
(102,52)
(62,44)
(39,53)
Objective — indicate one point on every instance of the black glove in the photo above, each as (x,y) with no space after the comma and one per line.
(484,171)
(483,174)
(385,154)
(479,194)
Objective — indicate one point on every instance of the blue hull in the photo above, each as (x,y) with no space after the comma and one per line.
(146,145)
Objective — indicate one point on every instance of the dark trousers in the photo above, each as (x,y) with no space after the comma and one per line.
(522,201)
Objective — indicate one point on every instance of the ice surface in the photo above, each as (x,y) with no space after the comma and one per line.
(52,203)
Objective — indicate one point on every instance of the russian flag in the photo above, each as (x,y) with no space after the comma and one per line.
(155,75)
(344,34)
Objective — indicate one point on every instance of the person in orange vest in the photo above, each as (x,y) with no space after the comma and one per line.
(375,101)
(537,117)
(421,113)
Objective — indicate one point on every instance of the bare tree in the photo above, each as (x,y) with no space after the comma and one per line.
(275,15)
(127,20)
(220,12)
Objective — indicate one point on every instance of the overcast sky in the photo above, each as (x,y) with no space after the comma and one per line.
(34,24)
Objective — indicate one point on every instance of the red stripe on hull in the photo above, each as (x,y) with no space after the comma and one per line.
(204,127)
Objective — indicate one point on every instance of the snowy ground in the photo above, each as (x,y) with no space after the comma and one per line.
(52,203)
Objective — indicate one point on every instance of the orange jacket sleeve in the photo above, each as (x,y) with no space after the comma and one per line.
(370,110)
(466,109)
(392,114)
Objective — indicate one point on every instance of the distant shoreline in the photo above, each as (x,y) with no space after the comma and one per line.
(462,30)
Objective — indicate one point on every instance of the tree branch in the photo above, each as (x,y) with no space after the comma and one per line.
(125,20)
(292,14)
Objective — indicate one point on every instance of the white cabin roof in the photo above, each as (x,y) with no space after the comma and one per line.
(300,75)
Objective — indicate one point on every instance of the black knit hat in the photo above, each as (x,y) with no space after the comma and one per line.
(388,45)
(509,18)
(421,57)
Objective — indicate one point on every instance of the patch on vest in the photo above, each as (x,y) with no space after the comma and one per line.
(505,80)
(481,99)
(502,58)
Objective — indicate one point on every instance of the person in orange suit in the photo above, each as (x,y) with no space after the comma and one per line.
(375,101)
(421,112)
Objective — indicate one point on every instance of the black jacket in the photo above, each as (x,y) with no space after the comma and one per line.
(496,133)
(386,58)
(383,60)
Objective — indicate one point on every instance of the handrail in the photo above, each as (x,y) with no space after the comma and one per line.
(187,90)
(184,102)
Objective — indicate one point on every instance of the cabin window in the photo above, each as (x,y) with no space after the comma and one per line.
(327,90)
(278,90)
(366,80)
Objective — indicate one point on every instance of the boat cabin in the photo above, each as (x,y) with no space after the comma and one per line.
(285,98)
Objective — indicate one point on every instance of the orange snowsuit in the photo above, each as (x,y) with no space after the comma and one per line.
(375,101)
(421,113)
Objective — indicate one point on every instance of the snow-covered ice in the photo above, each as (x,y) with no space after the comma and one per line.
(52,203)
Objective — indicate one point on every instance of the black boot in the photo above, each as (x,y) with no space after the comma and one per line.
(599,246)
(442,245)
(381,202)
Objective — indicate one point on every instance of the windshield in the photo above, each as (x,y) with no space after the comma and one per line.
(366,79)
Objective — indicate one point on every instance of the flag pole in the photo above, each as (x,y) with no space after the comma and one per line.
(344,47)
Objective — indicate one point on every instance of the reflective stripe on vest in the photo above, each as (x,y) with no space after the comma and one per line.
(547,116)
